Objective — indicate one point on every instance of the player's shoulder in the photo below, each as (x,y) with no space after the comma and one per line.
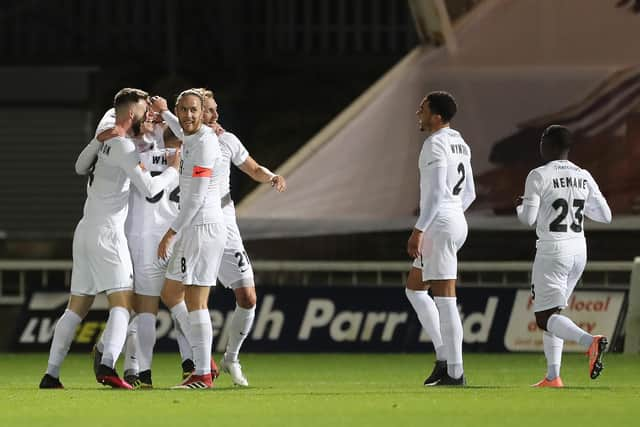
(228,136)
(438,137)
(121,144)
(228,139)
(580,169)
(586,174)
(208,143)
(231,141)
(540,173)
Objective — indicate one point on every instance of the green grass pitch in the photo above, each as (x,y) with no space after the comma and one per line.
(330,390)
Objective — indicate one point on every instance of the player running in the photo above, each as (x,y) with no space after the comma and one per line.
(198,252)
(101,260)
(235,272)
(557,197)
(446,191)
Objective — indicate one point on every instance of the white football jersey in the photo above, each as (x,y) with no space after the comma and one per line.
(153,215)
(446,147)
(563,193)
(201,159)
(108,187)
(232,152)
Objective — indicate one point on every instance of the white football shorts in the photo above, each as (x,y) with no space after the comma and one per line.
(197,254)
(556,270)
(148,270)
(440,245)
(235,268)
(101,261)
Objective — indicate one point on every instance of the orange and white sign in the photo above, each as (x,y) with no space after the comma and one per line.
(596,312)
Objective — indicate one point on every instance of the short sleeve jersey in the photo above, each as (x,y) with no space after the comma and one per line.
(232,152)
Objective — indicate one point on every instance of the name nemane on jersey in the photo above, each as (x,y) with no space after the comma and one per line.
(569,182)
(459,149)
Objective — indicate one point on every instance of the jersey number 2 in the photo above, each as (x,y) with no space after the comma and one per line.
(458,188)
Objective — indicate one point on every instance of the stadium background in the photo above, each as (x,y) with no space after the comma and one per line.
(285,72)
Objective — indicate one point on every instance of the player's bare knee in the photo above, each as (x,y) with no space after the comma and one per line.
(414,280)
(246,297)
(443,288)
(172,293)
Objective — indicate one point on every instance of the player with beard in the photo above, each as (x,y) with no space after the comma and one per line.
(148,219)
(101,260)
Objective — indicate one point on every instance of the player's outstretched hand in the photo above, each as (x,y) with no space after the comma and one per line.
(414,244)
(107,134)
(158,104)
(173,158)
(279,183)
(163,247)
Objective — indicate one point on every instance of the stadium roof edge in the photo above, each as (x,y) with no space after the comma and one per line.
(336,124)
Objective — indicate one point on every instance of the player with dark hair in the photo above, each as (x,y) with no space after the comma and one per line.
(101,260)
(557,197)
(446,191)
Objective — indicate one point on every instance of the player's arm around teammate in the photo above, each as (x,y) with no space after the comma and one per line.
(198,254)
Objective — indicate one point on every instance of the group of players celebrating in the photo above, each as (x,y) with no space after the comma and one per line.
(171,235)
(557,197)
(138,247)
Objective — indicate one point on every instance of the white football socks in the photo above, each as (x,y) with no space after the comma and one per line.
(180,316)
(563,327)
(201,340)
(131,347)
(553,353)
(146,339)
(451,330)
(63,335)
(115,334)
(429,318)
(241,323)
